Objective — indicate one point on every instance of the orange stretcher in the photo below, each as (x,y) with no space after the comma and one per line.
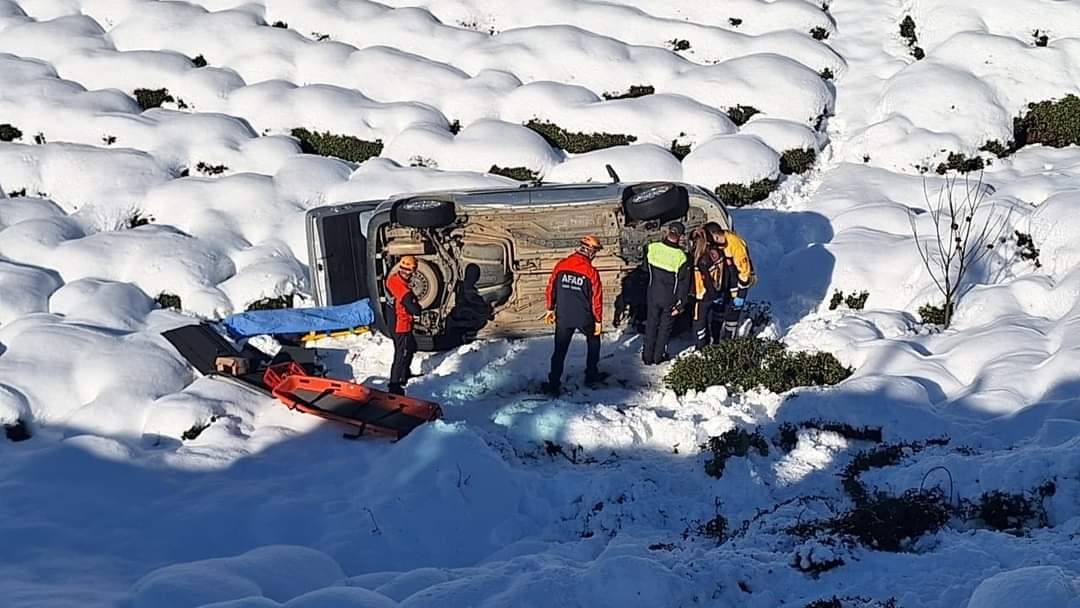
(365,409)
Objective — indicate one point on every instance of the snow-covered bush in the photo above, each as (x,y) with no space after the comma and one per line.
(169,300)
(740,114)
(9,132)
(854,301)
(735,442)
(1051,123)
(797,161)
(883,522)
(278,303)
(152,98)
(746,363)
(739,195)
(521,174)
(578,143)
(636,90)
(345,147)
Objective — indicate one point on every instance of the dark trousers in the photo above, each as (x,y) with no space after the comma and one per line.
(404,348)
(731,314)
(658,322)
(563,336)
(705,331)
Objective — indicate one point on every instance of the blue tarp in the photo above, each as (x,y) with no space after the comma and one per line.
(300,320)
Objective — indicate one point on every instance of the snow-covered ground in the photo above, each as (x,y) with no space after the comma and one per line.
(107,504)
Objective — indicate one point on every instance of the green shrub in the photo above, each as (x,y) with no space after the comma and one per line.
(199,61)
(735,442)
(168,300)
(197,429)
(797,161)
(853,601)
(680,151)
(521,174)
(679,45)
(1008,512)
(138,219)
(819,33)
(1051,123)
(345,147)
(826,74)
(854,301)
(280,24)
(907,32)
(19,431)
(39,139)
(886,523)
(578,143)
(17,193)
(997,148)
(108,140)
(637,90)
(152,98)
(738,195)
(935,315)
(320,37)
(746,363)
(740,114)
(9,132)
(735,21)
(1041,39)
(278,303)
(207,169)
(455,127)
(960,163)
(716,528)
(1027,247)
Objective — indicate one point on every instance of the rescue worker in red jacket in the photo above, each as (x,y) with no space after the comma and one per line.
(575,302)
(406,306)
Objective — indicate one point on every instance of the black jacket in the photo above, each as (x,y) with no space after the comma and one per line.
(669,275)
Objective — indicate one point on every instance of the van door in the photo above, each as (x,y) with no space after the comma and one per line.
(337,252)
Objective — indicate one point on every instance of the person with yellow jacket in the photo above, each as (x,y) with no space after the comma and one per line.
(739,278)
(730,288)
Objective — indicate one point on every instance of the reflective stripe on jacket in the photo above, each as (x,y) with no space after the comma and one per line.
(669,275)
(737,251)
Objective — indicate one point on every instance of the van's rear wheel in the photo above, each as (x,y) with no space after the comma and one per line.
(656,201)
(423,213)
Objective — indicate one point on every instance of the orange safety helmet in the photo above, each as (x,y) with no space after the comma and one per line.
(590,241)
(408,262)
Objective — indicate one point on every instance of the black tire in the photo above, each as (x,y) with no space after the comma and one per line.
(656,201)
(423,213)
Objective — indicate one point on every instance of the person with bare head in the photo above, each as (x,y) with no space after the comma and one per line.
(739,277)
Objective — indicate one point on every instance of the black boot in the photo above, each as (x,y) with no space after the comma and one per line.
(395,389)
(596,379)
(551,389)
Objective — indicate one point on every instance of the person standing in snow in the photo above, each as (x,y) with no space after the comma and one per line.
(739,277)
(405,306)
(575,302)
(708,280)
(669,288)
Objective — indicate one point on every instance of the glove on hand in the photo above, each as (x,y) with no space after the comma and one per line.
(738,302)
